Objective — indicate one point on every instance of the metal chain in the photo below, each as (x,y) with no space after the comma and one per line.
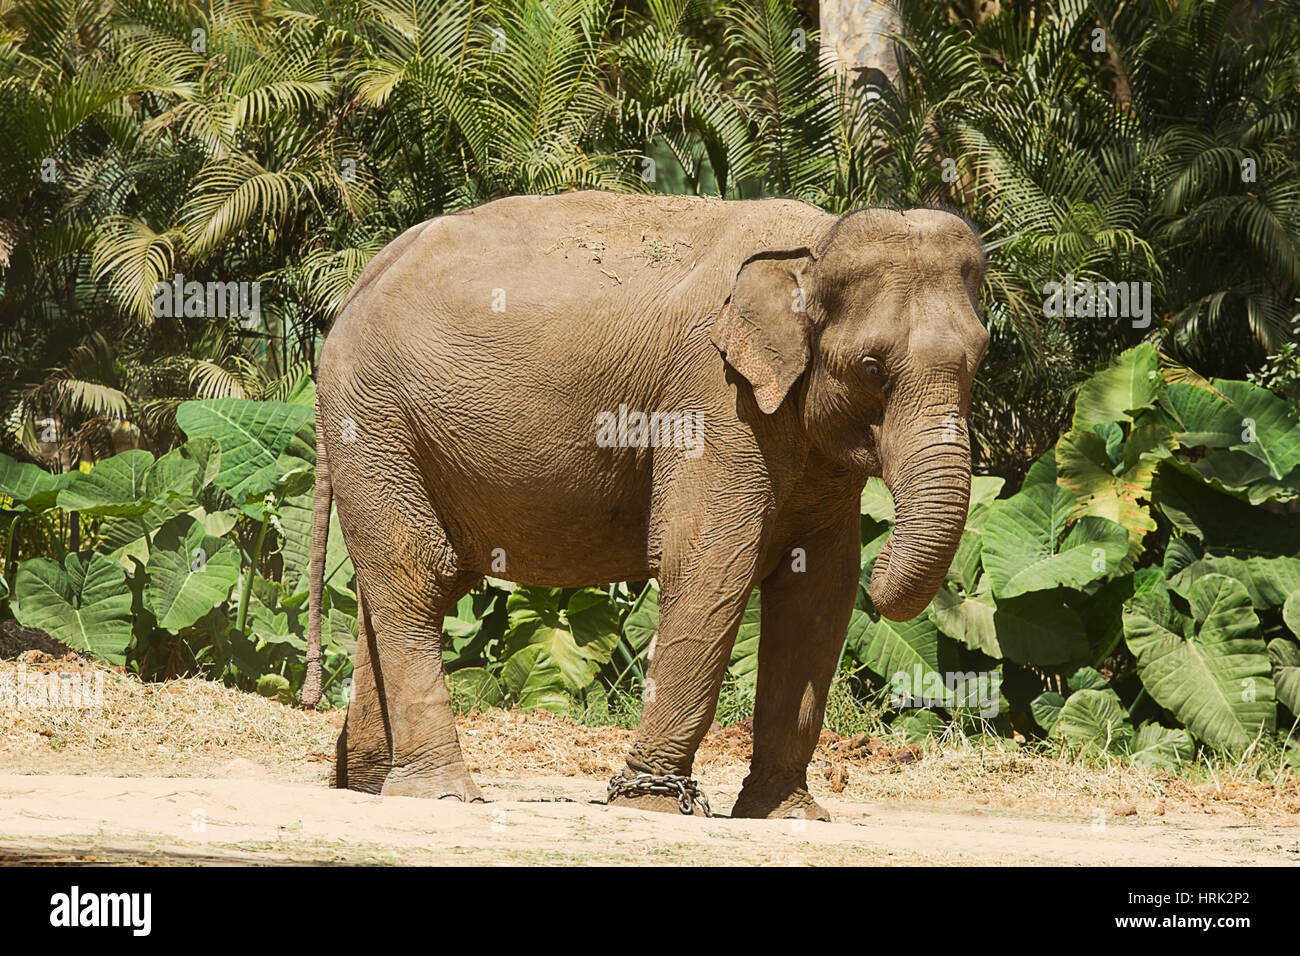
(687,791)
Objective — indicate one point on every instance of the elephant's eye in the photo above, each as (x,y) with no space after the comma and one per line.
(874,368)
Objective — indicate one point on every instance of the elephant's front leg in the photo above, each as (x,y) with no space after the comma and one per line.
(703,592)
(806,611)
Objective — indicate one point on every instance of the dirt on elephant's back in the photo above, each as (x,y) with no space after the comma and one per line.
(191,771)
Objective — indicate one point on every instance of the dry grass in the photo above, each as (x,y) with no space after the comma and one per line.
(188,727)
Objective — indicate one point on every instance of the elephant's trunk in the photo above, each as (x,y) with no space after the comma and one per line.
(930,482)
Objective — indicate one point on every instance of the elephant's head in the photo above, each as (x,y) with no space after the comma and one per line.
(874,334)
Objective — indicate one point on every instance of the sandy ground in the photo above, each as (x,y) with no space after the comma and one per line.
(559,820)
(191,772)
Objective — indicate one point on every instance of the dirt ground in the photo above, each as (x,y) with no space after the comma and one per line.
(193,772)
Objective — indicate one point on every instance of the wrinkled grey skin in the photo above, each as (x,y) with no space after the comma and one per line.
(475,430)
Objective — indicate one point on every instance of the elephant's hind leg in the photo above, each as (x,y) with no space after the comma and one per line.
(409,575)
(364,753)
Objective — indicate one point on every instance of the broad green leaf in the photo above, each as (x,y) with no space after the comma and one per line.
(1113,435)
(1268,581)
(206,455)
(217,524)
(1103,611)
(174,475)
(474,688)
(461,622)
(1095,718)
(984,490)
(1269,426)
(1042,471)
(1086,678)
(593,619)
(1159,748)
(1201,416)
(341,630)
(1021,551)
(1127,385)
(174,484)
(876,501)
(48,497)
(275,686)
(32,488)
(923,725)
(1181,552)
(1046,708)
(114,486)
(967,618)
(1240,475)
(252,435)
(275,617)
(1085,468)
(1039,629)
(534,679)
(1284,655)
(744,653)
(966,569)
(471,627)
(124,537)
(1209,669)
(86,603)
(574,642)
(642,622)
(1291,613)
(190,573)
(295,521)
(906,655)
(1219,520)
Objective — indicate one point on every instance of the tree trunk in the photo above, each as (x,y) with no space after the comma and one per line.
(855,38)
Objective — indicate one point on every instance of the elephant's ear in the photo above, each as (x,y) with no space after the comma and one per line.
(763,330)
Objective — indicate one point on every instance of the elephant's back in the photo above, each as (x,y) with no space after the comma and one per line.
(557,265)
(570,304)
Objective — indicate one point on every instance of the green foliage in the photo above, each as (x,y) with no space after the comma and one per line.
(1124,586)
(85,603)
(191,573)
(1206,665)
(552,649)
(196,559)
(1027,548)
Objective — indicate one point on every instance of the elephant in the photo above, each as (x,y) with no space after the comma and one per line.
(471,370)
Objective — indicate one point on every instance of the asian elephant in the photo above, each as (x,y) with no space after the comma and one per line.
(465,408)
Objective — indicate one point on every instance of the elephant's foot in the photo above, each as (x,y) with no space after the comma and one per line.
(658,802)
(363,769)
(668,793)
(777,797)
(452,782)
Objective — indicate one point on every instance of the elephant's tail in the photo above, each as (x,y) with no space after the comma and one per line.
(320,530)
